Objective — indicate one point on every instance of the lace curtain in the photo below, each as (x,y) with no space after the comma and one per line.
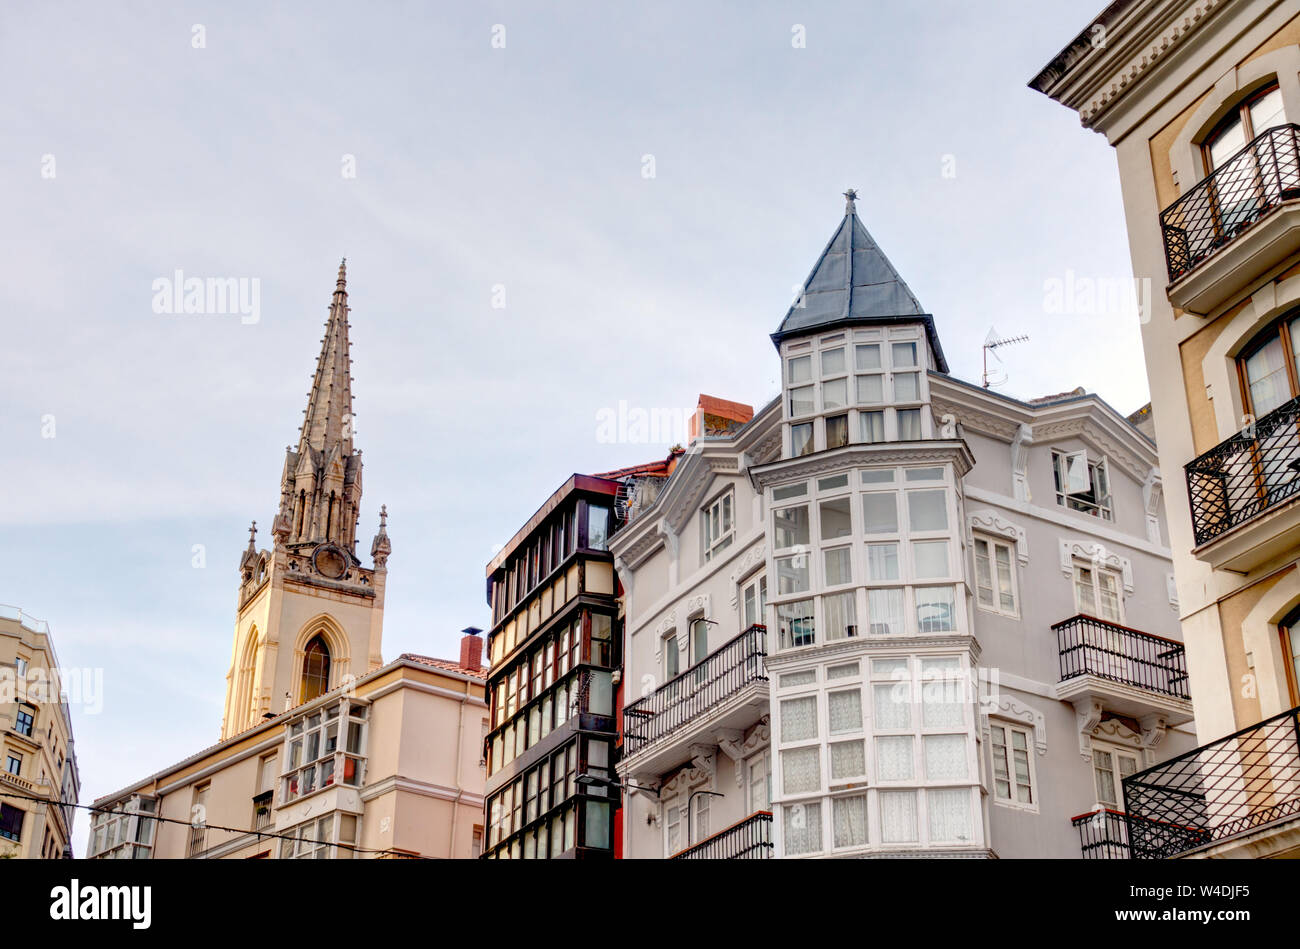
(803,828)
(893,705)
(894,758)
(945,757)
(801,770)
(845,711)
(849,815)
(949,815)
(848,760)
(897,816)
(799,718)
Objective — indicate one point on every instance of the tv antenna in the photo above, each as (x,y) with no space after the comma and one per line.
(992,343)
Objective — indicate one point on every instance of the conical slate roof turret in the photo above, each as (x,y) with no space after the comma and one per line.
(852,280)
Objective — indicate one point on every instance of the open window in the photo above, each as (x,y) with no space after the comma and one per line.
(1082,483)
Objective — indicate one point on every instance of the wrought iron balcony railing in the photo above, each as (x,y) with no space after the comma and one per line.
(1252,472)
(1219,207)
(704,685)
(1240,783)
(1089,646)
(749,839)
(1103,835)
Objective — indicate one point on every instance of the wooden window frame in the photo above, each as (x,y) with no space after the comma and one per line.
(1241,113)
(1279,328)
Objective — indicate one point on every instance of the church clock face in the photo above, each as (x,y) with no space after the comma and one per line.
(330,561)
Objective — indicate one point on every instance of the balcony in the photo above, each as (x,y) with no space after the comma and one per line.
(1103,835)
(1124,670)
(749,839)
(1250,479)
(723,690)
(1235,223)
(1239,796)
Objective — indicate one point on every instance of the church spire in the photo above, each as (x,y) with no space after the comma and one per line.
(321,484)
(328,419)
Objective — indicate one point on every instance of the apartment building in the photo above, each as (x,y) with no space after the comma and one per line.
(1201,100)
(891,613)
(39,783)
(555,683)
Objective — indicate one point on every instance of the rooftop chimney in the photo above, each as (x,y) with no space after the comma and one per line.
(714,416)
(471,649)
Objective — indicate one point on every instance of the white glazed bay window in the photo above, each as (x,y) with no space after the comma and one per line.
(325,747)
(331,836)
(876,753)
(866,553)
(862,386)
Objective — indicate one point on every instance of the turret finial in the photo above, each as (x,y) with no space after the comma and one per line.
(342,285)
(849,197)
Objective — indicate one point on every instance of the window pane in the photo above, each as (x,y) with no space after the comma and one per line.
(799,718)
(935,610)
(801,770)
(1006,594)
(835,394)
(909,425)
(792,574)
(873,427)
(904,354)
(892,705)
(839,616)
(930,559)
(983,574)
(847,760)
(833,361)
(1227,143)
(1266,377)
(945,757)
(799,369)
(894,758)
(803,828)
(867,355)
(845,711)
(880,513)
(949,814)
(795,623)
(837,431)
(897,816)
(801,401)
(837,564)
(885,609)
(835,519)
(871,389)
(849,815)
(927,510)
(882,561)
(907,387)
(1266,112)
(801,439)
(791,526)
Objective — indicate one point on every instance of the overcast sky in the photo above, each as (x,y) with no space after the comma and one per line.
(641,185)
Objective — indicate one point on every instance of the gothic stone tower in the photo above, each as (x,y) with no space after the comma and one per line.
(309,614)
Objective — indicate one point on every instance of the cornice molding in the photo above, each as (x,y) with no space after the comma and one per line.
(853,456)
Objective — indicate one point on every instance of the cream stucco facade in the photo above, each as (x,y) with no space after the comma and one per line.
(1200,99)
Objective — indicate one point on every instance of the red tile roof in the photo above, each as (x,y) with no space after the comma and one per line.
(446,664)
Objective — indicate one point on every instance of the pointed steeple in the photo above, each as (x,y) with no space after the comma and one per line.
(320,489)
(852,280)
(328,421)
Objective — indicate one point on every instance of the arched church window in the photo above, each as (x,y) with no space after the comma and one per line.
(315,669)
